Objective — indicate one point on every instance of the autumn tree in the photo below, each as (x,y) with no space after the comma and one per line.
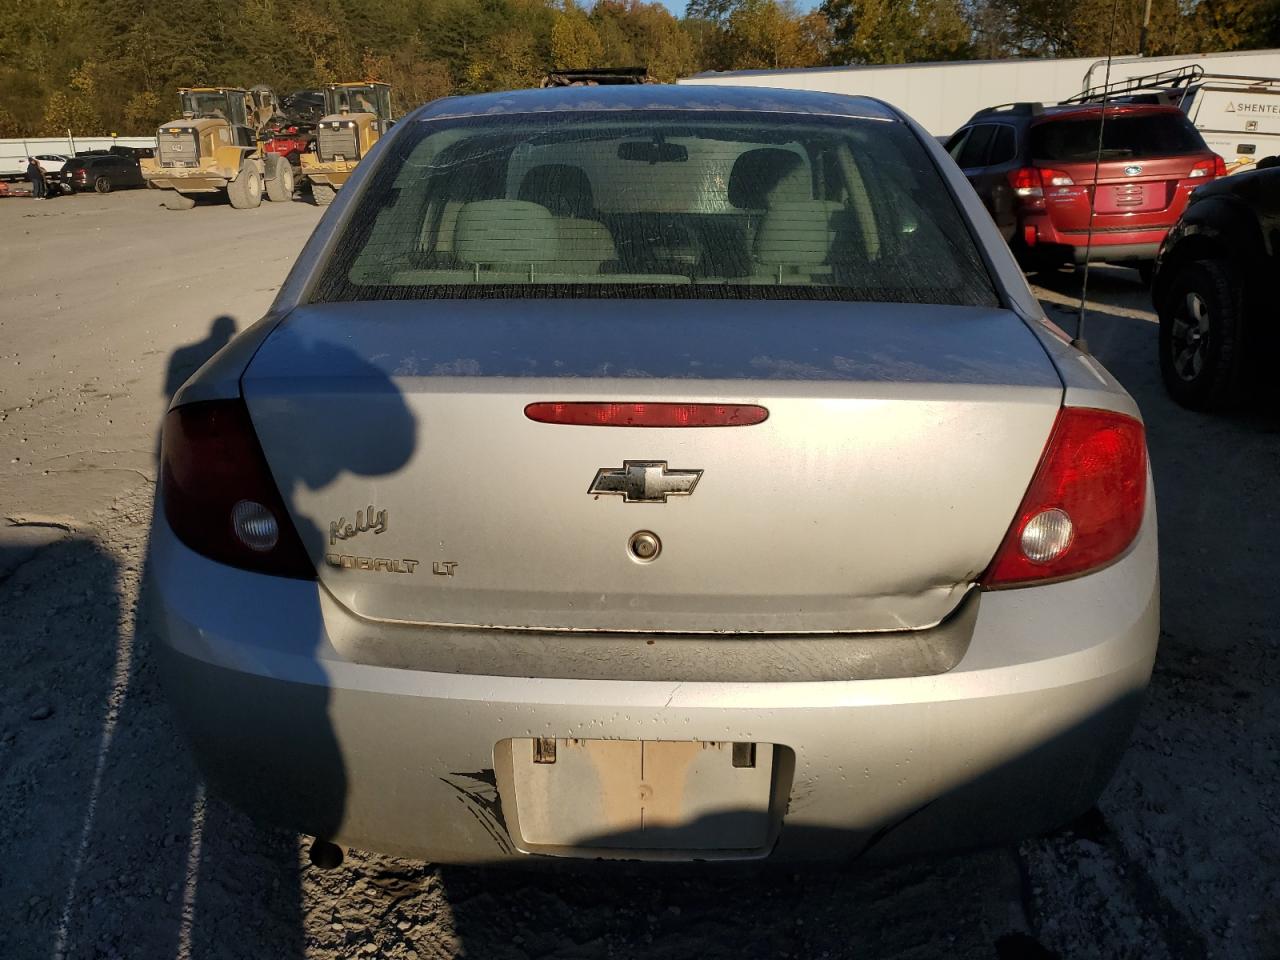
(773,35)
(115,65)
(574,41)
(898,31)
(634,33)
(505,61)
(415,78)
(72,110)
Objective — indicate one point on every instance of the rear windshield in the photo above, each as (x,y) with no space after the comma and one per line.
(657,204)
(1155,135)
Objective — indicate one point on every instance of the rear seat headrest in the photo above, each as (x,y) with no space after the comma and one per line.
(506,231)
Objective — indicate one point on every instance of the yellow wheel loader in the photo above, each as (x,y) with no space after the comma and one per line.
(356,115)
(214,149)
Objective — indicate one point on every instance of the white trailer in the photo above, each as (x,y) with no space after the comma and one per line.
(942,96)
(1239,118)
(14,153)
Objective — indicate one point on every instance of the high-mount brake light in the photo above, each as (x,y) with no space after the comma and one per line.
(1085,503)
(609,414)
(1217,167)
(219,495)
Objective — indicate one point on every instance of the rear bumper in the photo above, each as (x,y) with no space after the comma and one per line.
(1017,738)
(1115,252)
(1039,237)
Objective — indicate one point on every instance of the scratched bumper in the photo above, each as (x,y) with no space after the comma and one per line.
(288,723)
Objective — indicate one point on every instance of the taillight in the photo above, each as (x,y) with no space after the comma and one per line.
(607,414)
(219,496)
(1084,505)
(1029,184)
(1217,167)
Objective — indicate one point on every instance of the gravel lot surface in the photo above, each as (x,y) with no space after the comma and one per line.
(109,847)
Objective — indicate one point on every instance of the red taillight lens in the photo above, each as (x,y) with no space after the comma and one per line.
(596,414)
(219,496)
(1217,167)
(1084,505)
(1025,181)
(1029,184)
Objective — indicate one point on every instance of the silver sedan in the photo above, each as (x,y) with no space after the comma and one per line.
(656,473)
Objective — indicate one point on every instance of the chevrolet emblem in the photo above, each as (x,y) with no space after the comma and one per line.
(644,481)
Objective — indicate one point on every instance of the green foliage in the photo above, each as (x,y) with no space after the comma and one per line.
(574,41)
(898,31)
(98,66)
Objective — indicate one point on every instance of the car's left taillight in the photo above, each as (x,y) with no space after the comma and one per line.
(219,496)
(1029,184)
(1085,503)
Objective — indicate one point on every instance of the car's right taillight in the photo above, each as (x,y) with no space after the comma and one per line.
(1085,503)
(1217,167)
(219,496)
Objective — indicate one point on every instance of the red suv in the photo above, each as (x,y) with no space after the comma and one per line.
(1033,167)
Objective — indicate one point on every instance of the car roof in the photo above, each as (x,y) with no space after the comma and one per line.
(1031,114)
(1086,111)
(658,96)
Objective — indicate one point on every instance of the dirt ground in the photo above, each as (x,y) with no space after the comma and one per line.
(110,849)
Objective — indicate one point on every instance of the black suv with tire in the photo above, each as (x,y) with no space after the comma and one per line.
(102,172)
(1213,289)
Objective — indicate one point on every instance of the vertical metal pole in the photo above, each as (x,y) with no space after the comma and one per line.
(1080,341)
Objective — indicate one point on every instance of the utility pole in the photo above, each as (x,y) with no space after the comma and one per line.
(1142,34)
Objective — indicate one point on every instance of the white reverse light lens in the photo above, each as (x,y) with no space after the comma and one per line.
(255,525)
(1047,536)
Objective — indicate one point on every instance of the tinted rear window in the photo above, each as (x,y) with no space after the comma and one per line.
(657,204)
(1157,135)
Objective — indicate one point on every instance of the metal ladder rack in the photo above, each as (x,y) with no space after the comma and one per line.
(1166,81)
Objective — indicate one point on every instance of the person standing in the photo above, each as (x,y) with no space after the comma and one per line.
(36,175)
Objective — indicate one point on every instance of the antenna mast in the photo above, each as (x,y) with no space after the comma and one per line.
(1080,342)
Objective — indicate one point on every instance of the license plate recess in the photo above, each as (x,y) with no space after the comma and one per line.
(566,794)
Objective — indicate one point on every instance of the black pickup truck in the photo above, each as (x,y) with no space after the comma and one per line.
(1214,289)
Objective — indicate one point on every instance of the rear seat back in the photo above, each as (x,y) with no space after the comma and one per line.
(505,232)
(521,233)
(585,245)
(795,238)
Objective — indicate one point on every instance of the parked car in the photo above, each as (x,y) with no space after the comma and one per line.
(659,473)
(1212,289)
(1033,167)
(51,163)
(136,153)
(102,172)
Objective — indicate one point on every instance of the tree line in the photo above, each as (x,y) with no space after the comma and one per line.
(113,66)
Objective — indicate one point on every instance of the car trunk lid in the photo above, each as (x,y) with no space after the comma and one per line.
(1143,172)
(899,442)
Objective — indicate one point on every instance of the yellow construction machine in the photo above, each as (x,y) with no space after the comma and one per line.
(214,149)
(356,115)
